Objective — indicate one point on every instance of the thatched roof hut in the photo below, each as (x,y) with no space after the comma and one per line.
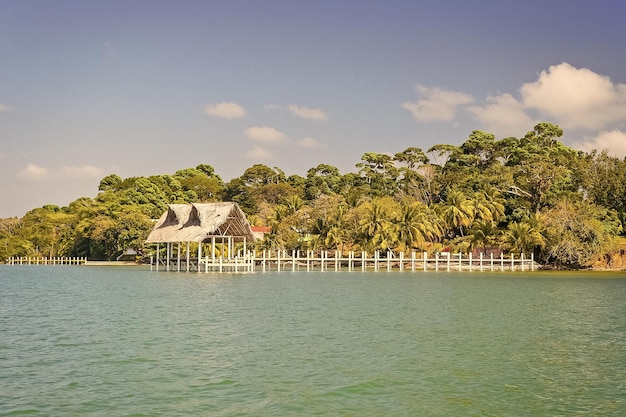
(201,223)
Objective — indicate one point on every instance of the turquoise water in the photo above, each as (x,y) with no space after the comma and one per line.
(92,341)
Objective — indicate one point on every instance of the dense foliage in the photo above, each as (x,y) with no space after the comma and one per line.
(531,194)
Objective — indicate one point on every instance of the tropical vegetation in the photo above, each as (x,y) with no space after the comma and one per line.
(521,195)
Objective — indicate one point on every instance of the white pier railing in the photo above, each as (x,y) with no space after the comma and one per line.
(351,261)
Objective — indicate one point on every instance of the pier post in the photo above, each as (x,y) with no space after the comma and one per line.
(263,262)
(168,253)
(187,266)
(512,262)
(321,258)
(470,260)
(199,255)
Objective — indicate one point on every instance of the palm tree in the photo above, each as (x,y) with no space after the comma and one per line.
(377,226)
(484,233)
(414,225)
(459,211)
(293,204)
(494,201)
(523,237)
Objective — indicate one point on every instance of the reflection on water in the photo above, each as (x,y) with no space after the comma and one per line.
(108,341)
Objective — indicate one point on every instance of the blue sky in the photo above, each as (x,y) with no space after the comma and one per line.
(137,87)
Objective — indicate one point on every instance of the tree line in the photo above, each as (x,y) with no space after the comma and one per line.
(531,194)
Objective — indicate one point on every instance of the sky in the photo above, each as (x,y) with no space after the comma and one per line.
(90,88)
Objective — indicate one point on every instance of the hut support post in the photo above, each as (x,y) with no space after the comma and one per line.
(187,256)
(169,255)
(199,255)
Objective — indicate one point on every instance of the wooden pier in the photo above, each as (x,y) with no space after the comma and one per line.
(28,260)
(352,261)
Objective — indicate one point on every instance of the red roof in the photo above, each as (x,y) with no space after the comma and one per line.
(261,229)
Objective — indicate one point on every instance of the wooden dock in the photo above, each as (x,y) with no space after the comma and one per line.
(28,260)
(352,261)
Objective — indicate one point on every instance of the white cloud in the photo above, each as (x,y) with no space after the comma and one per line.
(225,110)
(503,116)
(576,97)
(614,142)
(34,172)
(436,104)
(307,113)
(309,143)
(259,153)
(82,171)
(265,134)
(38,173)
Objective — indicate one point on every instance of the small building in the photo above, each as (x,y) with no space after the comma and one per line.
(259,232)
(210,223)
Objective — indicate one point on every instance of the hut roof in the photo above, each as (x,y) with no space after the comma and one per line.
(200,222)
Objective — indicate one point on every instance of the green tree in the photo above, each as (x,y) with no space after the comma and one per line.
(416,225)
(523,237)
(484,234)
(377,225)
(323,179)
(458,211)
(578,233)
(379,172)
